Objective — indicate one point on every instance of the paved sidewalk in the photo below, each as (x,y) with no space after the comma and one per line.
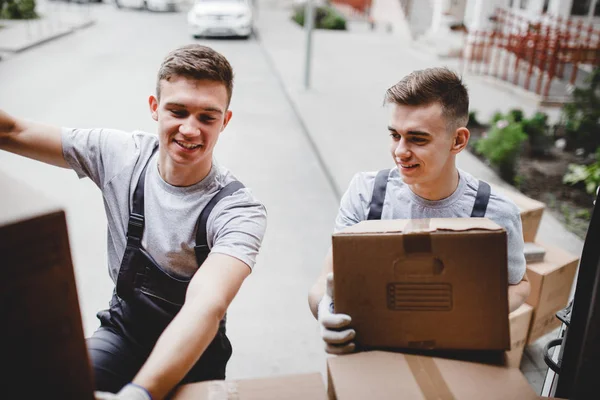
(57,18)
(344,119)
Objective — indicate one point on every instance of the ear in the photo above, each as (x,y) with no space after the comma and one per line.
(460,141)
(153,103)
(228,115)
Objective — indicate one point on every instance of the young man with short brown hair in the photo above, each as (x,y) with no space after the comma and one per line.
(429,113)
(183,233)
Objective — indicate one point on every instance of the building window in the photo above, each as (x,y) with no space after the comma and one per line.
(546,4)
(582,7)
(523,4)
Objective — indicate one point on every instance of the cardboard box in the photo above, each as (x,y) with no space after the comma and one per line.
(428,284)
(40,311)
(292,387)
(531,211)
(519,322)
(551,283)
(386,376)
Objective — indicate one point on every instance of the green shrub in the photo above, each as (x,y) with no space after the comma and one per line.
(473,121)
(515,115)
(502,147)
(497,117)
(581,117)
(536,128)
(326,17)
(588,174)
(17,9)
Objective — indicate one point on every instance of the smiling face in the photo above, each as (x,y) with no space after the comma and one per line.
(190,114)
(424,148)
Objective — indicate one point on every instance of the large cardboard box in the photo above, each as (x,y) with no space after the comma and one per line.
(390,376)
(519,322)
(427,284)
(551,283)
(44,350)
(531,212)
(292,387)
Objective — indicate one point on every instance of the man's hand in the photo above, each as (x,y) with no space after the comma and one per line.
(337,339)
(130,391)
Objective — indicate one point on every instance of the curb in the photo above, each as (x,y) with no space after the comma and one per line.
(5,51)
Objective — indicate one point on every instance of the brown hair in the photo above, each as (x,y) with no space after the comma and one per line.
(196,62)
(431,85)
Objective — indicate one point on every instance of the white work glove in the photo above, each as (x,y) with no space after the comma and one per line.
(337,339)
(131,391)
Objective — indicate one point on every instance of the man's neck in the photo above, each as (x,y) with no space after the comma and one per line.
(438,189)
(176,175)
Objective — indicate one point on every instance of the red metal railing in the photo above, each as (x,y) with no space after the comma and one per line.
(531,53)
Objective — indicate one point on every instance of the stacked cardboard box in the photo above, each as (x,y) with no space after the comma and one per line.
(519,322)
(389,376)
(291,387)
(550,270)
(42,332)
(551,281)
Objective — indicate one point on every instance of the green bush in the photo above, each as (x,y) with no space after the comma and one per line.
(515,115)
(497,117)
(473,121)
(581,117)
(588,174)
(326,17)
(502,147)
(536,128)
(17,9)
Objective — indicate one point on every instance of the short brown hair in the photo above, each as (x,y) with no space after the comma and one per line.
(433,85)
(196,62)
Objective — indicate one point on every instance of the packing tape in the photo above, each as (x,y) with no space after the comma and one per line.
(418,225)
(223,390)
(429,378)
(417,238)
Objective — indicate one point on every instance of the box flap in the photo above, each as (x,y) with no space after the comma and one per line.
(407,226)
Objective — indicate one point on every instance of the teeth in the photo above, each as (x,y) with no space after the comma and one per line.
(188,145)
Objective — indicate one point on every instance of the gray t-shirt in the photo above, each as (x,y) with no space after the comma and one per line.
(401,203)
(114,161)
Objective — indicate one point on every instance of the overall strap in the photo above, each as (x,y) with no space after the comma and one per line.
(201,249)
(378,196)
(482,199)
(135,226)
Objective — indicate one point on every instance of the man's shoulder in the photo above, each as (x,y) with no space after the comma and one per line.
(502,206)
(241,197)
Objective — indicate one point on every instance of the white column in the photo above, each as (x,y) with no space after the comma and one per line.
(482,10)
(535,7)
(439,8)
(560,7)
(591,13)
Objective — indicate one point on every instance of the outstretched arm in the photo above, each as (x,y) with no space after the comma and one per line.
(209,294)
(32,140)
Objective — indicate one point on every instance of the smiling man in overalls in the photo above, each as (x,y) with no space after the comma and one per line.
(427,128)
(183,233)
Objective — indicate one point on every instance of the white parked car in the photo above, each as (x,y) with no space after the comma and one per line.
(221,18)
(151,5)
